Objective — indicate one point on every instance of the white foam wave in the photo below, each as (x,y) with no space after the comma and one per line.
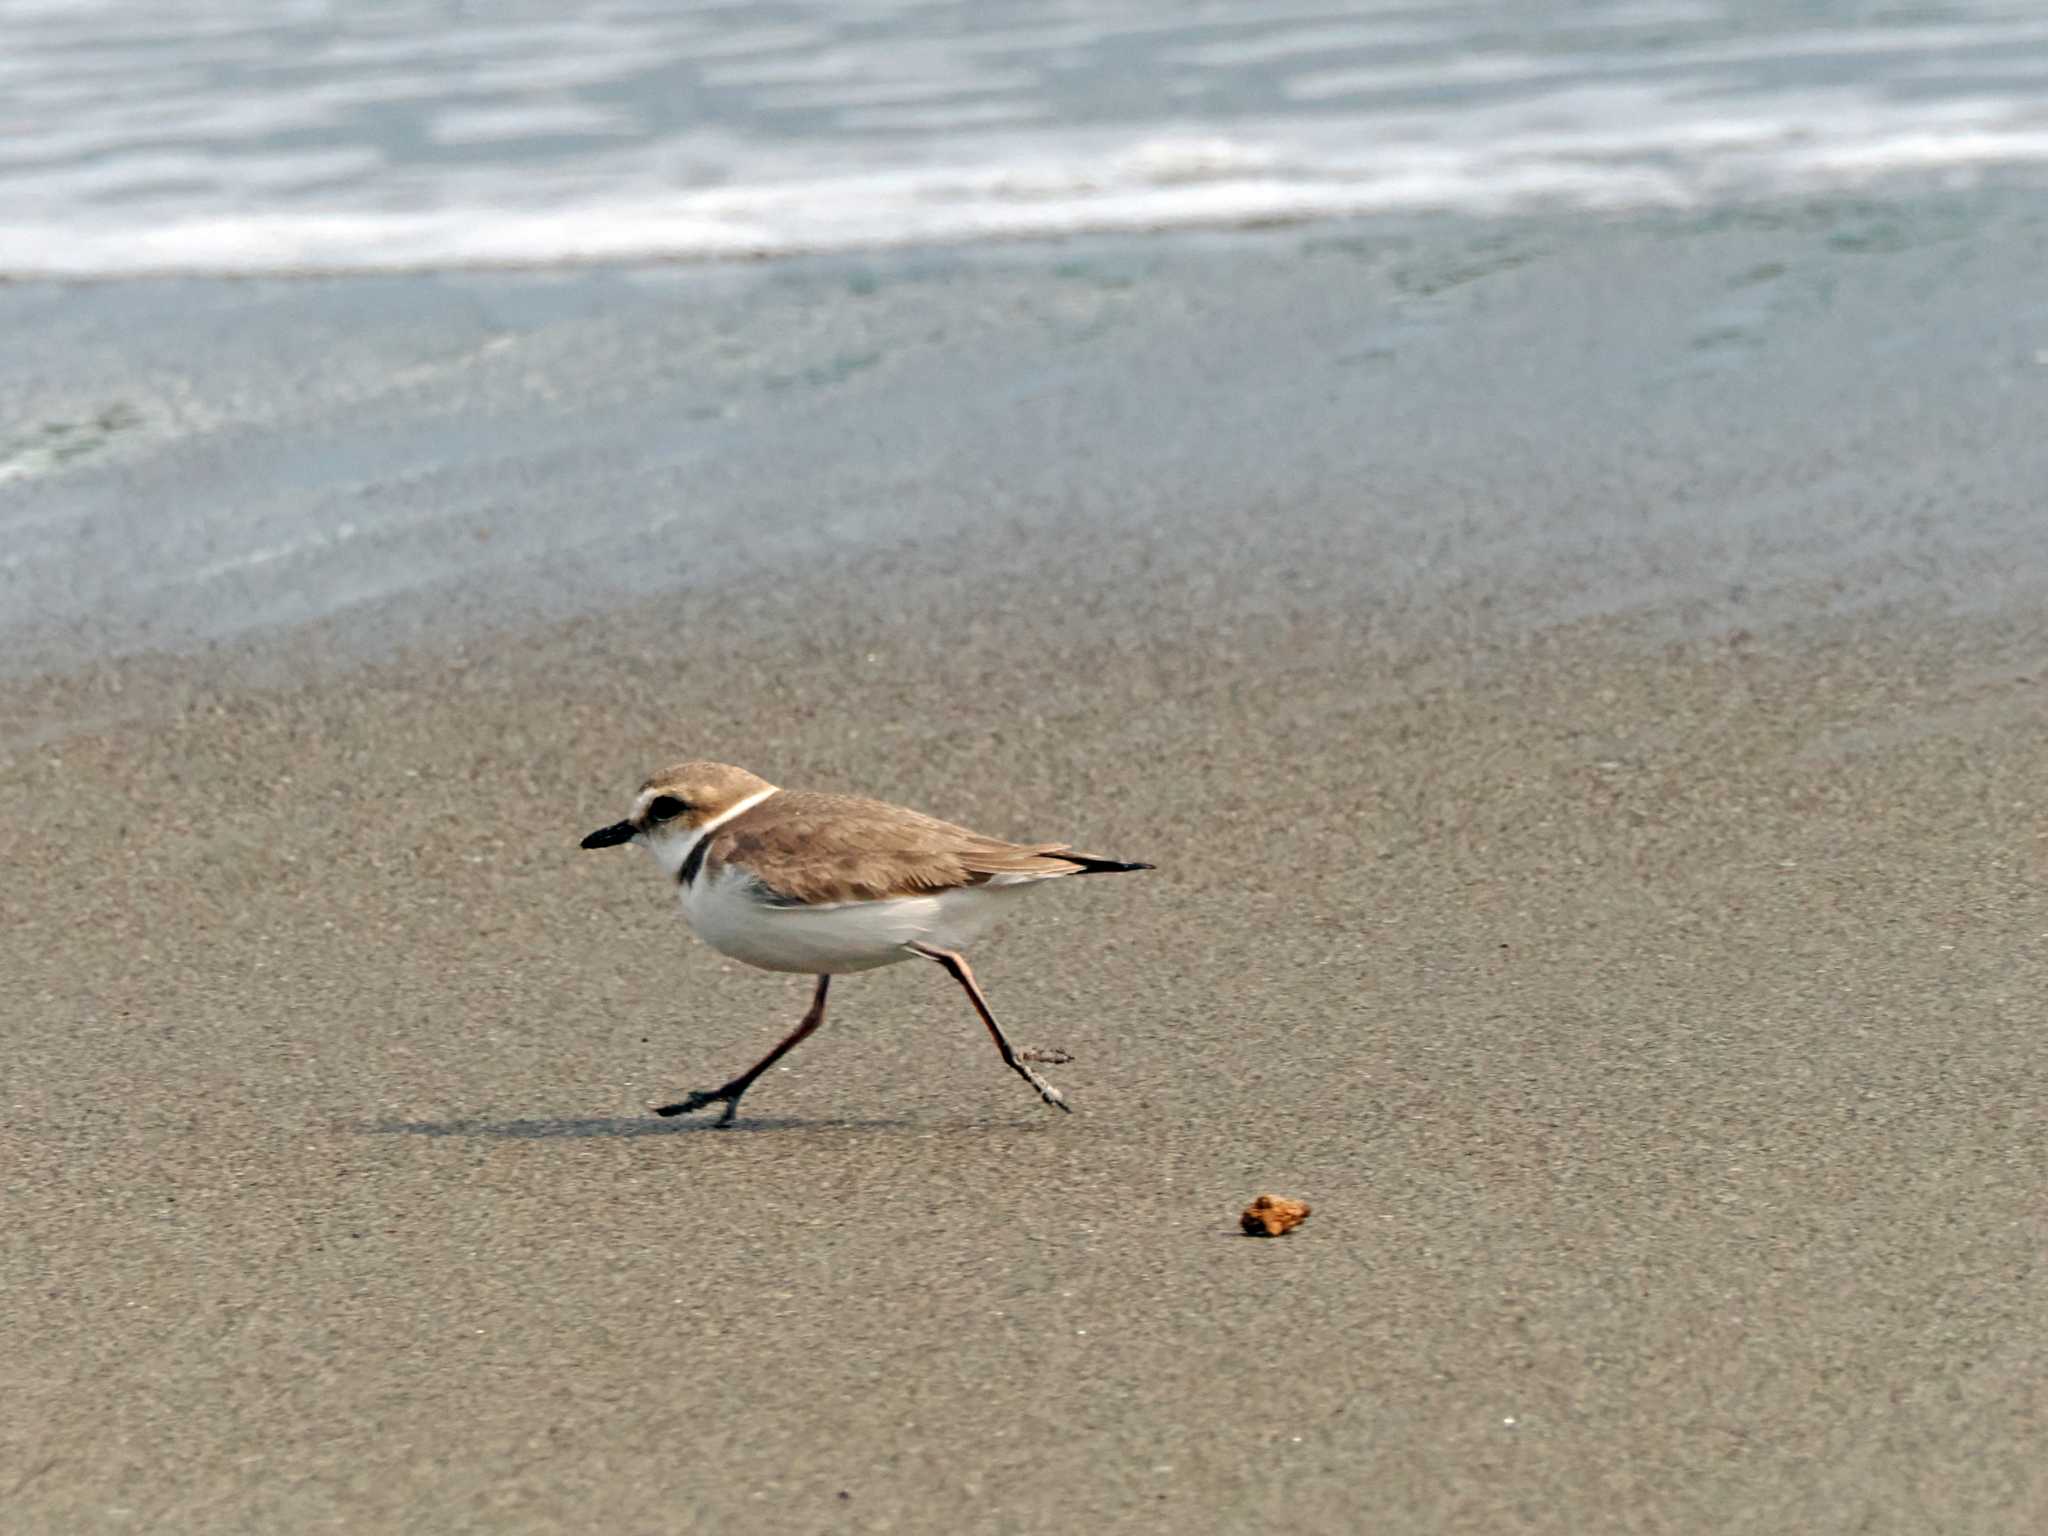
(1164,182)
(405,144)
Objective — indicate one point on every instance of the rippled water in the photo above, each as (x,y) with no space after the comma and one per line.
(230,136)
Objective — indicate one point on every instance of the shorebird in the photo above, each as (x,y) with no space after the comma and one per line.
(826,884)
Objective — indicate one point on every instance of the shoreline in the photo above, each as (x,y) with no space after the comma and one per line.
(406,448)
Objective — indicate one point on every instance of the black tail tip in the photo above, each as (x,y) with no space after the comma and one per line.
(1103,866)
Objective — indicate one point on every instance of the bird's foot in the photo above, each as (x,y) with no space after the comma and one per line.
(703,1099)
(1046,1091)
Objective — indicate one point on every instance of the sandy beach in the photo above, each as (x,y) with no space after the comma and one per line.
(1581,685)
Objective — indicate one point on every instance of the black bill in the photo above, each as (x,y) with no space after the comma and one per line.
(611,836)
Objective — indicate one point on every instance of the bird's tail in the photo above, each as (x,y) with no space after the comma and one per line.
(1090,865)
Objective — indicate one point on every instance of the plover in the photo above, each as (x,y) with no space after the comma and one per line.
(826,884)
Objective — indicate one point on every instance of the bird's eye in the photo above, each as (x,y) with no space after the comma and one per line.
(662,807)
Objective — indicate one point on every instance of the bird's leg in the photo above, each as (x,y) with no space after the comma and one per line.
(731,1092)
(956,965)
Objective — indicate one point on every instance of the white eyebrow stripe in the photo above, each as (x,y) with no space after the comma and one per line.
(711,826)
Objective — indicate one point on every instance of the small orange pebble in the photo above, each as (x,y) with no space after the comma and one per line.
(1271,1215)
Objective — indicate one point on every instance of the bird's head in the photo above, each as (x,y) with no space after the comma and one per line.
(674,806)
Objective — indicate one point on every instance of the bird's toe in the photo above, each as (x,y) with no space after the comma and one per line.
(697,1101)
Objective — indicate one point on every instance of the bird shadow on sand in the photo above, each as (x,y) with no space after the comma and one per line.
(621,1127)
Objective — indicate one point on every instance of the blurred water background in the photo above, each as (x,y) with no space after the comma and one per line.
(223,136)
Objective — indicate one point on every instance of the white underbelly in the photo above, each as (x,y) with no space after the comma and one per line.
(847,936)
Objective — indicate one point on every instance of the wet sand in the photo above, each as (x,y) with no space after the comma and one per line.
(1593,753)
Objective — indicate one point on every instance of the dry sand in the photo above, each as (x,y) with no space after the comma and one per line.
(1651,1011)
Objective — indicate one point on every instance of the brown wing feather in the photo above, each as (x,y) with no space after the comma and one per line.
(818,848)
